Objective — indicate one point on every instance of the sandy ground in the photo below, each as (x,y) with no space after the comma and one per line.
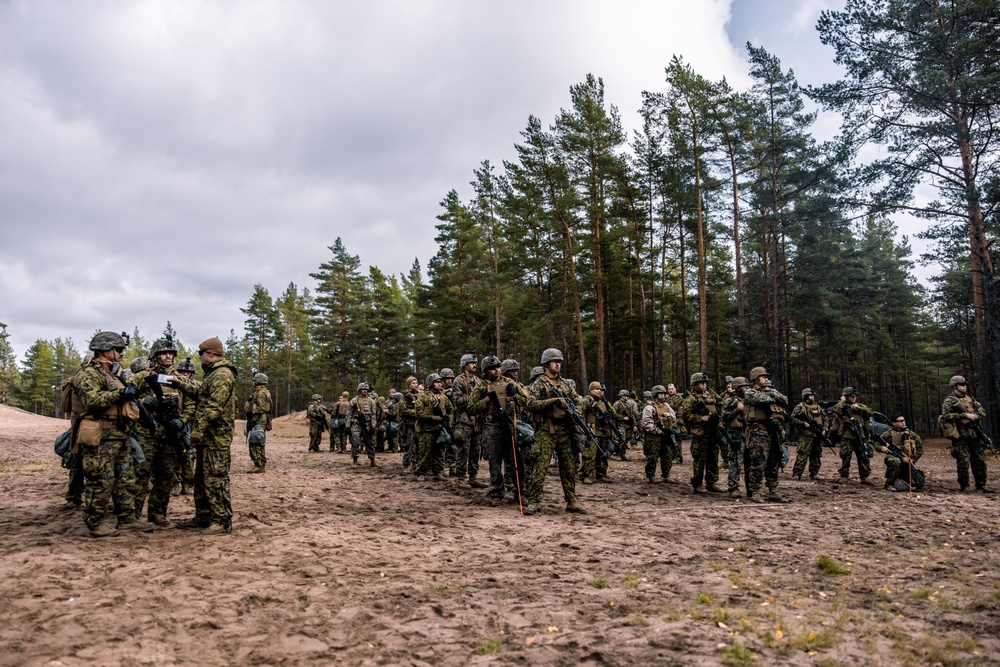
(332,564)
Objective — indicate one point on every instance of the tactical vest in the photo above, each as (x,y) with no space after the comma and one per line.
(506,402)
(555,412)
(665,416)
(343,405)
(433,401)
(735,424)
(903,440)
(365,405)
(698,426)
(814,413)
(594,407)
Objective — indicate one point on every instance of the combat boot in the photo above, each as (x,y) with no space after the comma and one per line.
(159,520)
(776,497)
(699,489)
(866,481)
(587,480)
(573,508)
(371,463)
(476,484)
(797,478)
(187,524)
(605,480)
(103,530)
(355,459)
(461,483)
(735,493)
(757,497)
(532,509)
(136,526)
(652,480)
(218,529)
(714,488)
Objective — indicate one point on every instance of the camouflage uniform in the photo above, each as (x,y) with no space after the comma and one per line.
(316,414)
(184,478)
(657,420)
(339,434)
(553,433)
(362,415)
(629,416)
(810,445)
(408,422)
(966,448)
(848,441)
(467,430)
(910,444)
(107,464)
(212,434)
(765,412)
(498,423)
(595,459)
(430,455)
(704,437)
(392,423)
(258,411)
(734,420)
(676,403)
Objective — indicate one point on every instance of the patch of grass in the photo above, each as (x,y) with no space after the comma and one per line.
(736,655)
(813,641)
(703,598)
(757,560)
(600,580)
(715,565)
(632,580)
(639,621)
(830,566)
(720,614)
(675,615)
(741,547)
(923,594)
(438,587)
(491,646)
(827,662)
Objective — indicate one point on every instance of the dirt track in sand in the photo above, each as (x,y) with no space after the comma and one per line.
(329,563)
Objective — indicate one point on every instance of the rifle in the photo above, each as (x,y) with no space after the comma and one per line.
(168,410)
(145,418)
(818,432)
(445,422)
(605,419)
(321,420)
(977,429)
(916,478)
(366,429)
(860,448)
(509,423)
(574,415)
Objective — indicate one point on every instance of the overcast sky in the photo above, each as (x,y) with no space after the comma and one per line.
(160,158)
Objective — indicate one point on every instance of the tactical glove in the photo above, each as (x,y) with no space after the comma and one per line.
(129,392)
(511,390)
(176,424)
(150,402)
(437,411)
(493,397)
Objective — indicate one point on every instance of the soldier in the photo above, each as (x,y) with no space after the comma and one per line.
(497,399)
(702,413)
(340,431)
(408,423)
(657,421)
(451,451)
(104,412)
(765,411)
(185,471)
(911,446)
(548,400)
(509,368)
(212,435)
(960,414)
(164,441)
(392,421)
(850,420)
(316,414)
(139,364)
(810,443)
(733,418)
(676,401)
(258,413)
(362,415)
(467,427)
(535,373)
(628,421)
(433,410)
(600,417)
(724,440)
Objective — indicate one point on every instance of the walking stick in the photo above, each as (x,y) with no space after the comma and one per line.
(513,449)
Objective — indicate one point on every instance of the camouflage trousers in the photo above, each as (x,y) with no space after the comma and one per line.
(429,456)
(257,454)
(810,450)
(392,438)
(338,439)
(77,483)
(184,472)
(407,438)
(595,463)
(316,436)
(893,466)
(159,468)
(762,458)
(108,471)
(657,449)
(736,467)
(846,451)
(547,444)
(212,500)
(498,449)
(359,441)
(465,451)
(967,453)
(705,459)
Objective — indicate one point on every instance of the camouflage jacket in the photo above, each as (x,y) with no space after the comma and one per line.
(590,407)
(316,413)
(908,441)
(697,406)
(805,413)
(627,415)
(762,406)
(215,416)
(258,407)
(545,405)
(840,423)
(480,402)
(183,403)
(408,407)
(461,391)
(427,421)
(363,408)
(658,417)
(952,410)
(732,413)
(97,387)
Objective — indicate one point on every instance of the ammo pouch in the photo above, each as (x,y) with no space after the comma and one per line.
(89,432)
(948,429)
(136,449)
(443,440)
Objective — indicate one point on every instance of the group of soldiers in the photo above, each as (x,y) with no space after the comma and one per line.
(135,433)
(135,436)
(451,422)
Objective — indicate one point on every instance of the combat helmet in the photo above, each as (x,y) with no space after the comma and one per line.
(698,377)
(740,381)
(657,389)
(139,364)
(551,354)
(850,391)
(646,395)
(623,392)
(807,392)
(259,378)
(509,365)
(445,373)
(317,396)
(107,340)
(490,362)
(469,358)
(535,372)
(165,344)
(431,379)
(186,366)
(729,378)
(757,372)
(956,379)
(364,386)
